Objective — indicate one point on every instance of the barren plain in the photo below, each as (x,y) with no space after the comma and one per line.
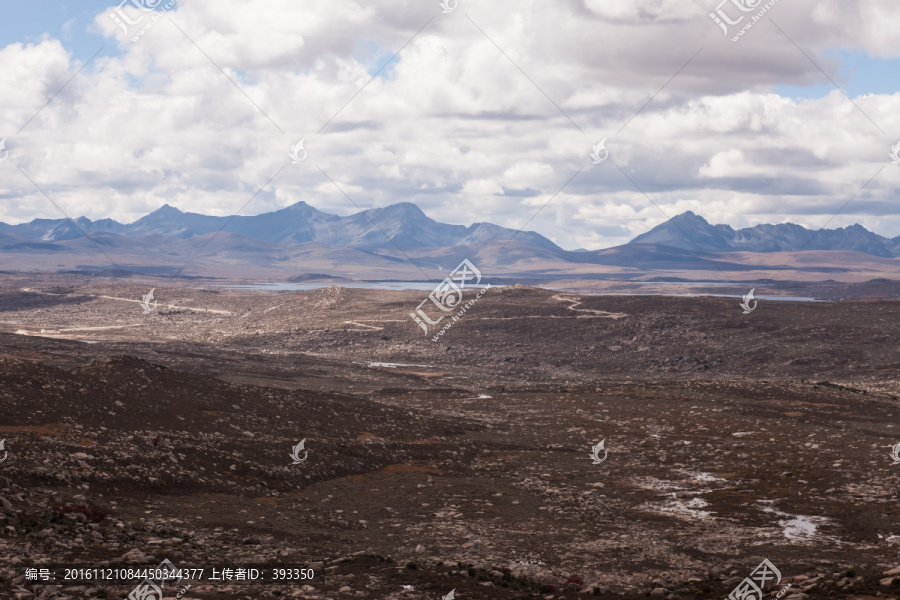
(459,464)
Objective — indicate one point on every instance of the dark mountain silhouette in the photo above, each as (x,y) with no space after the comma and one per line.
(403,225)
(692,232)
(400,241)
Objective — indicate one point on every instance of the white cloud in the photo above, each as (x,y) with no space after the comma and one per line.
(452,124)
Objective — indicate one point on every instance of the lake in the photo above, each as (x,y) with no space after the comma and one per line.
(365,285)
(427,287)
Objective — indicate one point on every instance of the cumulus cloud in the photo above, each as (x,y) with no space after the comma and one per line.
(471,121)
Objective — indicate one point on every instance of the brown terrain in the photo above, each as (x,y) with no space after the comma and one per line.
(459,464)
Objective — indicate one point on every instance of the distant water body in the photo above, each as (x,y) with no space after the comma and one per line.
(755,297)
(365,285)
(427,287)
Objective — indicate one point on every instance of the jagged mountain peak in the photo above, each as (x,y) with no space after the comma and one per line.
(403,224)
(689,231)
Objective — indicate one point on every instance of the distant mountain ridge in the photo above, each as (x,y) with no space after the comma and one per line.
(689,231)
(403,225)
(400,243)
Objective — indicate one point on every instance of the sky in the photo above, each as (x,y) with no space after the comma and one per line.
(487,111)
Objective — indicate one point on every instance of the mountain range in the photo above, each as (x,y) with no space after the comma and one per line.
(689,231)
(402,225)
(405,226)
(400,242)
